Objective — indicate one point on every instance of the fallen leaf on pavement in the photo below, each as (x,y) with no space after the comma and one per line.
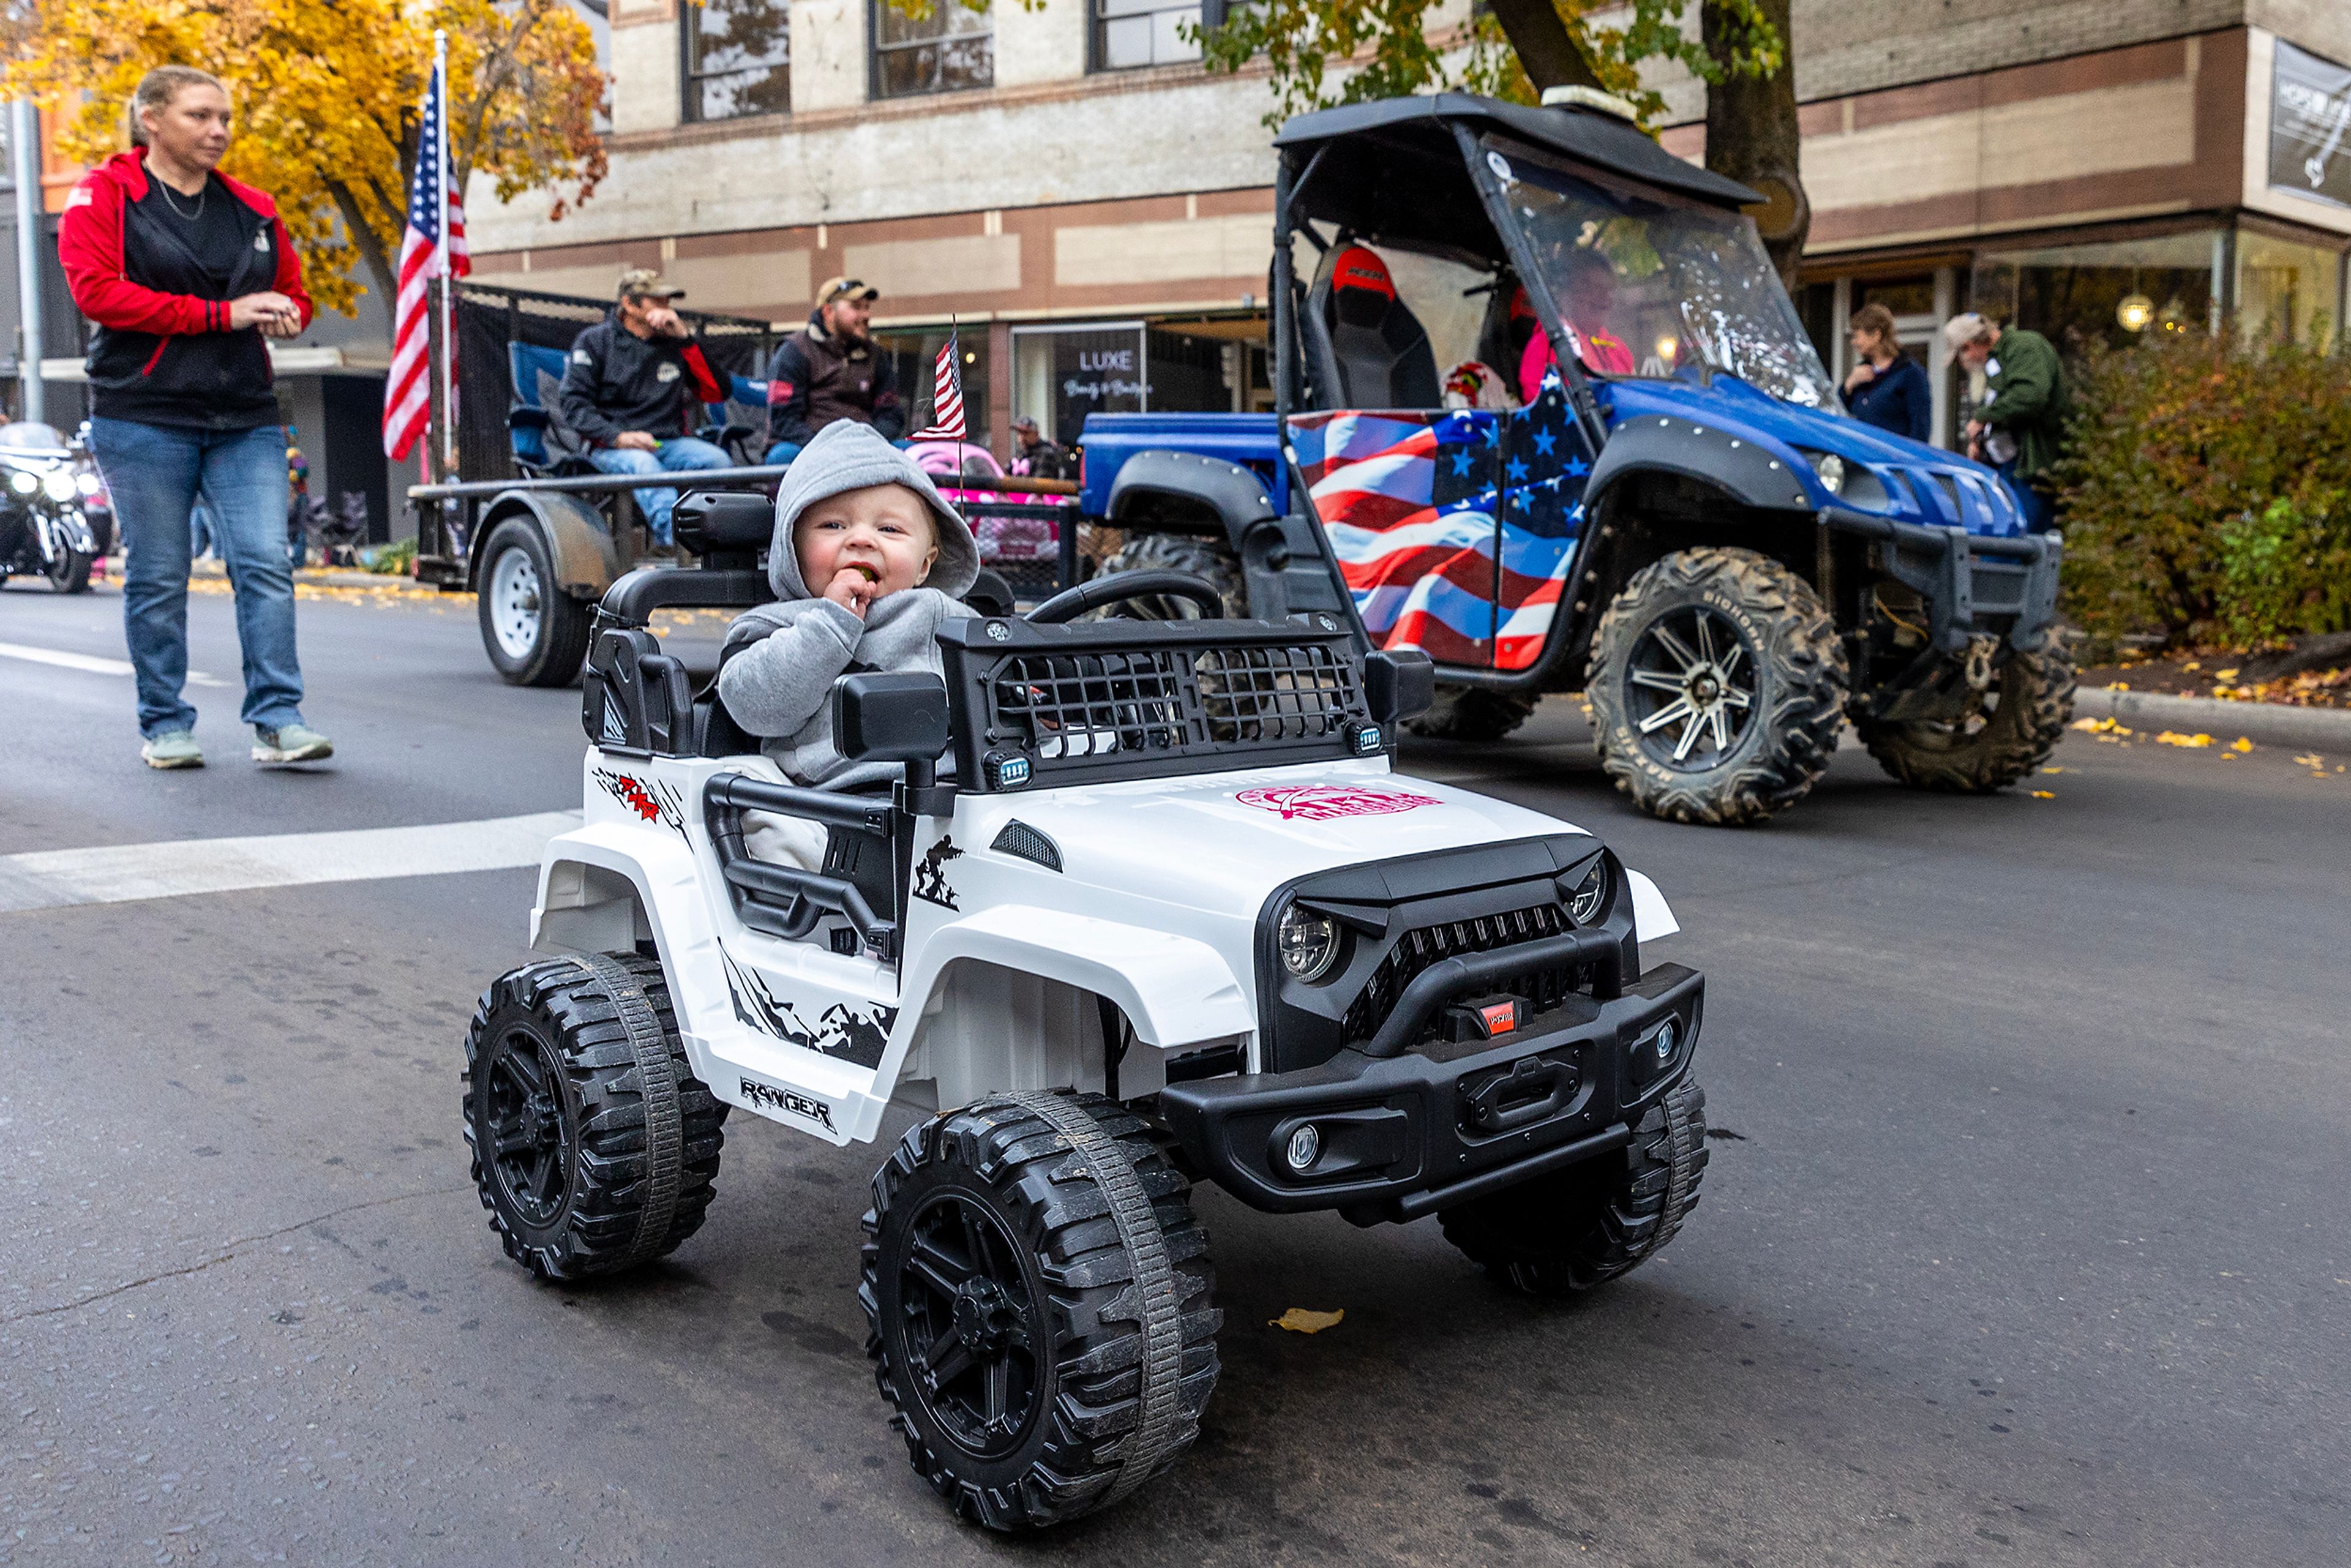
(2241,744)
(2173,737)
(2045,794)
(2313,760)
(1301,1320)
(2052,770)
(2224,674)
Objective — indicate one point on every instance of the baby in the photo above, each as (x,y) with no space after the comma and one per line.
(868,560)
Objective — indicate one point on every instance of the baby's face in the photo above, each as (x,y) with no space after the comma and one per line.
(882,534)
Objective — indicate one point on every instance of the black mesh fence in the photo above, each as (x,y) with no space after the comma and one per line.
(488,319)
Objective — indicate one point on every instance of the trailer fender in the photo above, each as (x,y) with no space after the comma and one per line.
(578,540)
(1753,472)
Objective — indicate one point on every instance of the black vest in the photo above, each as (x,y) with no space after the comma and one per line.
(215,381)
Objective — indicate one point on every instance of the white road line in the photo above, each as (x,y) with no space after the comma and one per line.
(115,874)
(89,665)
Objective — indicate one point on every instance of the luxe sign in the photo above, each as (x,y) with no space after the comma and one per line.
(2309,126)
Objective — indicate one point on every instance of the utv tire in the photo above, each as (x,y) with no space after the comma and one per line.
(69,573)
(1471,714)
(535,633)
(1037,1299)
(1717,687)
(1570,1230)
(1205,559)
(2020,719)
(594,1146)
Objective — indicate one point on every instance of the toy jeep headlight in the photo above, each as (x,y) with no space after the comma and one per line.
(1589,899)
(1308,942)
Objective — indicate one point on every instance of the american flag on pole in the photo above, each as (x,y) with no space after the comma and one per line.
(408,389)
(947,397)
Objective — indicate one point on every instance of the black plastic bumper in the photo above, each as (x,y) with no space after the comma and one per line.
(1972,583)
(1405,1135)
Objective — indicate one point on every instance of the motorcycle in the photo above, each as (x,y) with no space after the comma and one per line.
(51,500)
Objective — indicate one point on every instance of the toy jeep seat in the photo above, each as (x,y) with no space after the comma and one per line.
(1372,352)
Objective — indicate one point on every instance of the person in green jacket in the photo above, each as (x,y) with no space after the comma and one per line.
(2019,428)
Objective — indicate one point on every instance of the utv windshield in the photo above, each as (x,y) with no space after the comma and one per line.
(1654,286)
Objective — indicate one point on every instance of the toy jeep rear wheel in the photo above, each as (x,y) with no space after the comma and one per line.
(1036,1295)
(1573,1230)
(1206,558)
(535,633)
(1717,686)
(594,1146)
(2009,729)
(1472,714)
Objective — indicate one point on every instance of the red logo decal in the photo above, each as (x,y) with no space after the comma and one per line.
(1322,803)
(1502,1018)
(631,791)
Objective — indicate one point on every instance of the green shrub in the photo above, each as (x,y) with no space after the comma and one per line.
(2202,483)
(395,559)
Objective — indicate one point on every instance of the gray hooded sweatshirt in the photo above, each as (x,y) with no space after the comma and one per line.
(780,660)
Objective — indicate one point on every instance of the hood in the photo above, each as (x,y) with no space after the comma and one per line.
(1913,483)
(846,455)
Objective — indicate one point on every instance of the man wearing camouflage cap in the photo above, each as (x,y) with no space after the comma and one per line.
(633,391)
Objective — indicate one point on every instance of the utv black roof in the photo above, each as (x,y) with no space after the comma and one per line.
(1393,167)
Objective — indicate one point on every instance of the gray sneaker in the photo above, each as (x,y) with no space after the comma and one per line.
(173,748)
(290,743)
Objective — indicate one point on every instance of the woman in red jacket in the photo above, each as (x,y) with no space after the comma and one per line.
(186,271)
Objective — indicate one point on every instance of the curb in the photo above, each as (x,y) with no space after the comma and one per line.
(320,578)
(2265,724)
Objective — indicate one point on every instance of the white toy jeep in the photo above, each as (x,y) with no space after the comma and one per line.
(1173,917)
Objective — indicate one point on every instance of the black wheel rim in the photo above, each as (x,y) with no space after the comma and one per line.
(971,1324)
(529,1135)
(1690,688)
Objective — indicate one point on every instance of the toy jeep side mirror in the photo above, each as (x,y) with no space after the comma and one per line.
(879,717)
(1398,682)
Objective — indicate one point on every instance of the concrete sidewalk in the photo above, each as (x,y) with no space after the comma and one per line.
(2264,724)
(317,576)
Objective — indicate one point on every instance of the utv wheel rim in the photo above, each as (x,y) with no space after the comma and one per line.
(971,1325)
(529,1137)
(515,603)
(1690,688)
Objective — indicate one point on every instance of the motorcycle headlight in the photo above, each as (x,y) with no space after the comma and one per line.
(1308,942)
(58,485)
(1589,899)
(24,481)
(86,483)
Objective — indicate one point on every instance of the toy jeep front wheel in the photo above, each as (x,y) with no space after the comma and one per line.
(1037,1296)
(594,1146)
(1717,686)
(1572,1229)
(2010,727)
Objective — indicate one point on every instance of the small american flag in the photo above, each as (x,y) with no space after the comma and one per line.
(947,397)
(408,391)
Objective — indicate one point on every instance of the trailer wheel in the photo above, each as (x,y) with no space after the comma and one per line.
(1570,1230)
(1717,687)
(535,633)
(1471,714)
(1205,559)
(2016,722)
(594,1146)
(1037,1296)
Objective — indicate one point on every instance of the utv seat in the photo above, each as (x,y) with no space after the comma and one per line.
(1364,344)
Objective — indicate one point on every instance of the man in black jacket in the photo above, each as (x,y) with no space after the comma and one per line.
(633,390)
(828,370)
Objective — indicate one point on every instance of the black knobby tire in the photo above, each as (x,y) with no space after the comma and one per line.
(594,1146)
(1573,1230)
(69,573)
(543,645)
(1209,559)
(1771,709)
(1037,1296)
(2018,721)
(1472,714)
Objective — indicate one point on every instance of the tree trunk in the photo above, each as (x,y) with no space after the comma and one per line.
(379,262)
(1541,42)
(1752,136)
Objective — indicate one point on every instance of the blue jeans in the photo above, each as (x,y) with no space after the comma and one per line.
(156,473)
(678,455)
(2040,508)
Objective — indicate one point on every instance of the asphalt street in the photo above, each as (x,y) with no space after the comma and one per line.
(2023,1241)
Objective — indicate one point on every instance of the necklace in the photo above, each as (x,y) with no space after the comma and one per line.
(173,204)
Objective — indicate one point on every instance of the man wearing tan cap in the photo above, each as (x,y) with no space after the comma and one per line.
(831,370)
(633,392)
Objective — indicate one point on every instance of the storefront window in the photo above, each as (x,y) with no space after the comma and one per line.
(2286,292)
(951,49)
(739,58)
(914,356)
(2074,294)
(1060,374)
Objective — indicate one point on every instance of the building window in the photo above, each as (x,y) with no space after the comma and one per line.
(2073,294)
(914,356)
(952,48)
(2286,292)
(739,58)
(1131,33)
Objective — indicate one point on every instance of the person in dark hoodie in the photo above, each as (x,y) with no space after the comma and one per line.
(868,561)
(186,271)
(830,371)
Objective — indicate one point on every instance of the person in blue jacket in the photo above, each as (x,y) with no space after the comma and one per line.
(1887,388)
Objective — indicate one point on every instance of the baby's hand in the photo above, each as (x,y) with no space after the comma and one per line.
(851,588)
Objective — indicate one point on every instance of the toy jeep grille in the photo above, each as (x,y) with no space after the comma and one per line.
(1425,945)
(1122,699)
